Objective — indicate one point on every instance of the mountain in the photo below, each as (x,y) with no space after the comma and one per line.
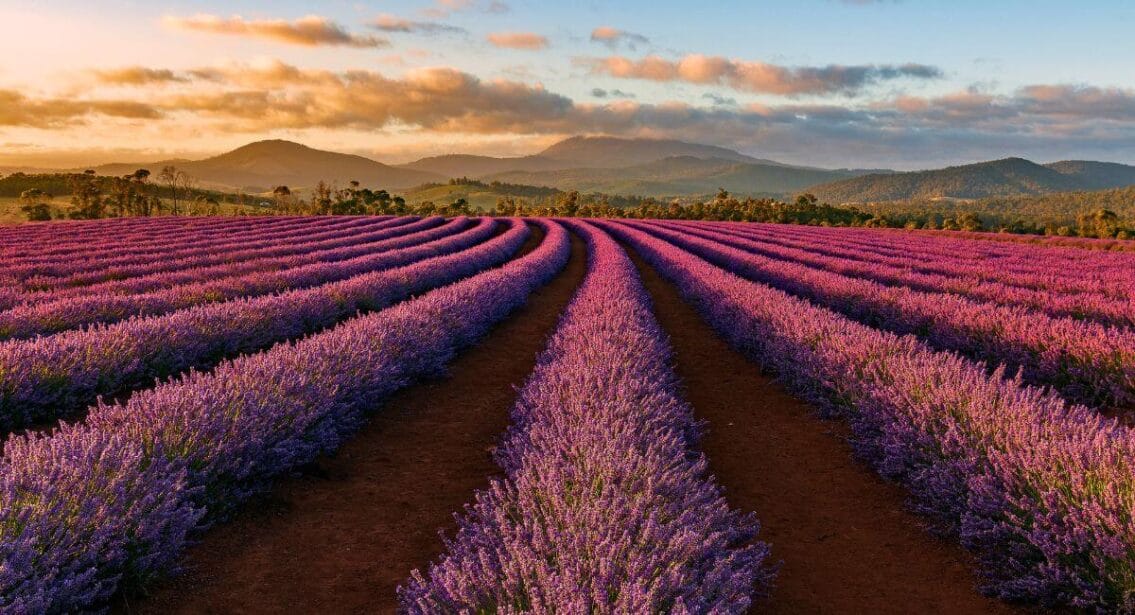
(466,165)
(583,153)
(1096,175)
(1009,176)
(260,166)
(613,152)
(678,175)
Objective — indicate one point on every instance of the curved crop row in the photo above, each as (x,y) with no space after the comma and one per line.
(1047,241)
(50,377)
(1043,491)
(230,247)
(1028,269)
(605,507)
(108,240)
(111,501)
(1046,275)
(1086,361)
(26,321)
(1056,304)
(282,254)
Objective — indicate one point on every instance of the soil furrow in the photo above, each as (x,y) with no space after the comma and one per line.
(343,535)
(847,542)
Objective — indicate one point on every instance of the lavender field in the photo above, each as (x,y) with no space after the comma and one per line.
(162,380)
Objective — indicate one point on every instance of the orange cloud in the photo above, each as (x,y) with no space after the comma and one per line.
(17,109)
(137,75)
(757,77)
(613,36)
(308,31)
(518,40)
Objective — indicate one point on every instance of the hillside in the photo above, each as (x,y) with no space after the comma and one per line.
(613,153)
(466,165)
(1094,175)
(260,166)
(479,195)
(578,153)
(1006,177)
(678,175)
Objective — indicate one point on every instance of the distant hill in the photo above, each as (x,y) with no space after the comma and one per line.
(613,153)
(1006,177)
(678,175)
(466,165)
(1096,175)
(262,165)
(579,153)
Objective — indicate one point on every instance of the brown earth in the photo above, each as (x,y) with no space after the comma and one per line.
(343,535)
(847,542)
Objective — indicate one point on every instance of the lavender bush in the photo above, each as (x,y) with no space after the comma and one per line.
(1042,490)
(606,507)
(50,377)
(111,499)
(1086,361)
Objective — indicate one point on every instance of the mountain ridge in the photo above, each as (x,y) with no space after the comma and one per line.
(1013,176)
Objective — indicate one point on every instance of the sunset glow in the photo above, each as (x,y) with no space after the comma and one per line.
(398,80)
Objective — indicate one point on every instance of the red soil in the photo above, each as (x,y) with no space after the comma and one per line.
(341,537)
(847,543)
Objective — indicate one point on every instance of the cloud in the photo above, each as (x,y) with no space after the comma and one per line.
(758,77)
(137,75)
(391,23)
(436,105)
(612,37)
(308,31)
(529,41)
(615,93)
(281,96)
(720,100)
(16,109)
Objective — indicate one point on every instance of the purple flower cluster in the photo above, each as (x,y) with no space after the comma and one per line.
(261,252)
(1086,361)
(1042,490)
(76,252)
(25,321)
(899,267)
(51,377)
(1027,266)
(606,507)
(110,501)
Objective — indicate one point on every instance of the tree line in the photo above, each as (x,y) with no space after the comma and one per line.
(174,192)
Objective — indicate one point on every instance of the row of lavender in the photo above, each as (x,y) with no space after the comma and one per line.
(46,317)
(1081,297)
(1042,490)
(72,274)
(75,238)
(84,273)
(111,501)
(51,377)
(1027,266)
(605,506)
(1086,361)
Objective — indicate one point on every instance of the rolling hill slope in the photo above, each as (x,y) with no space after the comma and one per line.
(1009,176)
(260,166)
(678,175)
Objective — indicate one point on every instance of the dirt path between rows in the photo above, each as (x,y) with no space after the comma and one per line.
(343,536)
(846,540)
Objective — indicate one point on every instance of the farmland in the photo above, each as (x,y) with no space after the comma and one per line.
(455,414)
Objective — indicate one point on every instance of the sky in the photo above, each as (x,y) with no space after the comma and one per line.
(901,84)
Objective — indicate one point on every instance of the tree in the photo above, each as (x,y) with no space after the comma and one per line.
(177,182)
(86,197)
(34,206)
(283,196)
